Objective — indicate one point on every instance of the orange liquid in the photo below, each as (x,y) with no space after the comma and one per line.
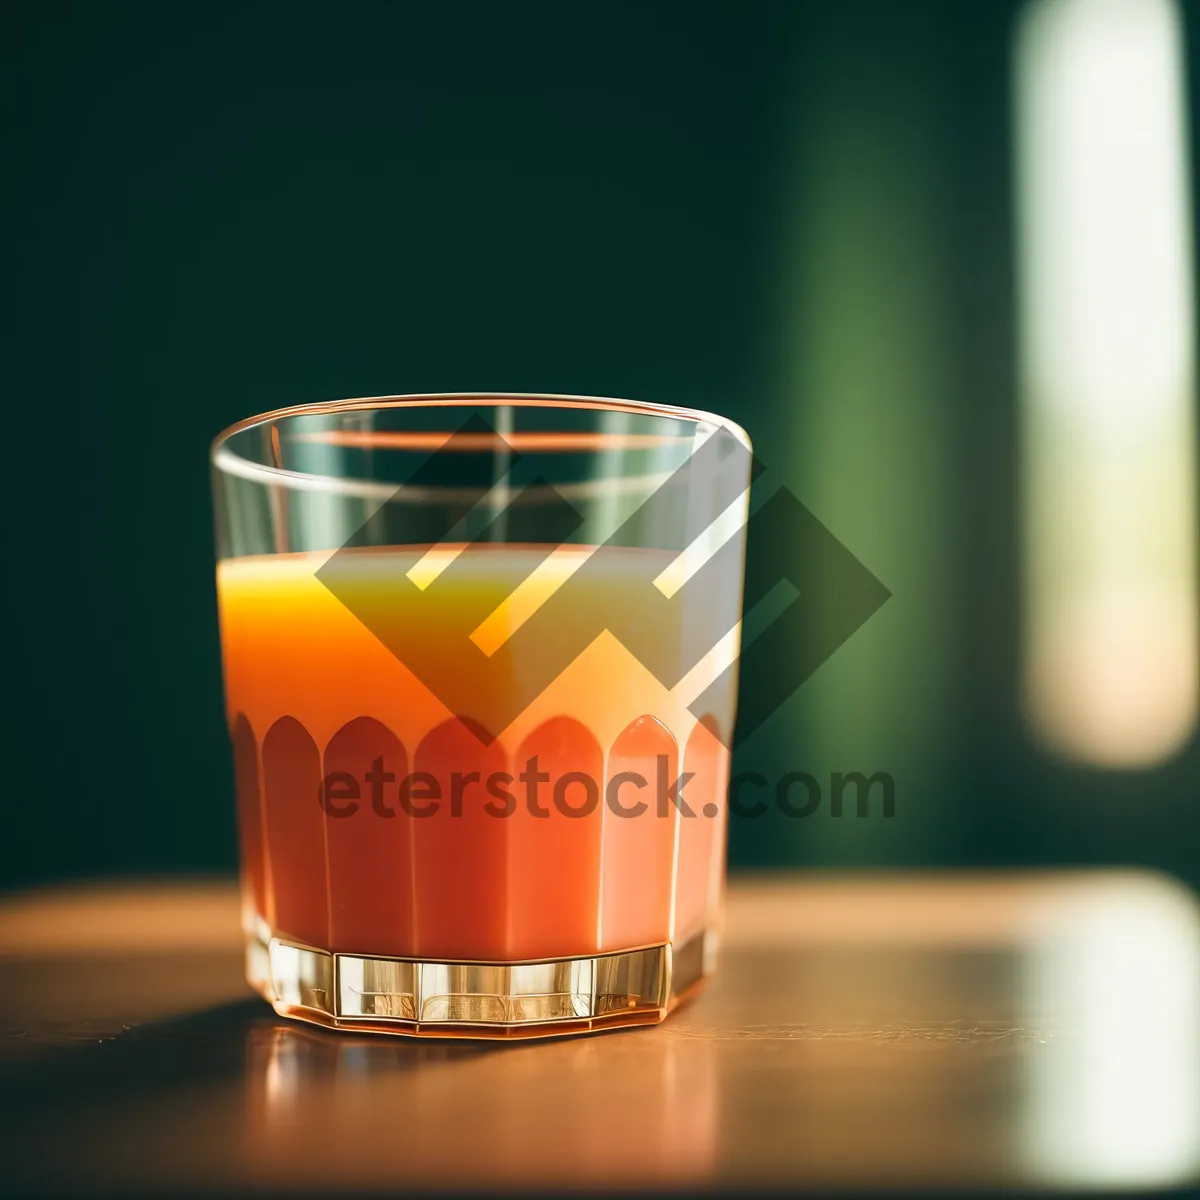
(311,691)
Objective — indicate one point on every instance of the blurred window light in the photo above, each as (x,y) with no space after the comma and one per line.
(1107,374)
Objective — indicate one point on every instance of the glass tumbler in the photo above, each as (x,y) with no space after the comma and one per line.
(480,660)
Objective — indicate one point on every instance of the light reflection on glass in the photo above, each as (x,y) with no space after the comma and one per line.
(1107,379)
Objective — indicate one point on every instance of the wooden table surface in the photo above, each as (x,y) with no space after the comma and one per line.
(862,1033)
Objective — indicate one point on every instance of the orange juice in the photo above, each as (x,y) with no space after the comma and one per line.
(376,821)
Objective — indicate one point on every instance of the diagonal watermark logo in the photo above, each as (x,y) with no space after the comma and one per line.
(785,547)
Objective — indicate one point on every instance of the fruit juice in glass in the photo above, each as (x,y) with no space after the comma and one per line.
(481,766)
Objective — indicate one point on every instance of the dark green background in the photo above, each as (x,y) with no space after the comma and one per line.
(788,212)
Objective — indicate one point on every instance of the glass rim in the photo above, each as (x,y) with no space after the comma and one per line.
(225,459)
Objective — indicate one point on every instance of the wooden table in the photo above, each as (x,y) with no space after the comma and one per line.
(862,1033)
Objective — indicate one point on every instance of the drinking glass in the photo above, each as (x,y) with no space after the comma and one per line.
(480,671)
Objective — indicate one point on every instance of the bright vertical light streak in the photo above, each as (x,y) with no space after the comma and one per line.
(1107,375)
(1113,1093)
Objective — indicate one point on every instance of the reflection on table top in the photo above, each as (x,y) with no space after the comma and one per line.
(861,1032)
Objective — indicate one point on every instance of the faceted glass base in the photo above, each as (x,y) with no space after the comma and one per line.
(474,999)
